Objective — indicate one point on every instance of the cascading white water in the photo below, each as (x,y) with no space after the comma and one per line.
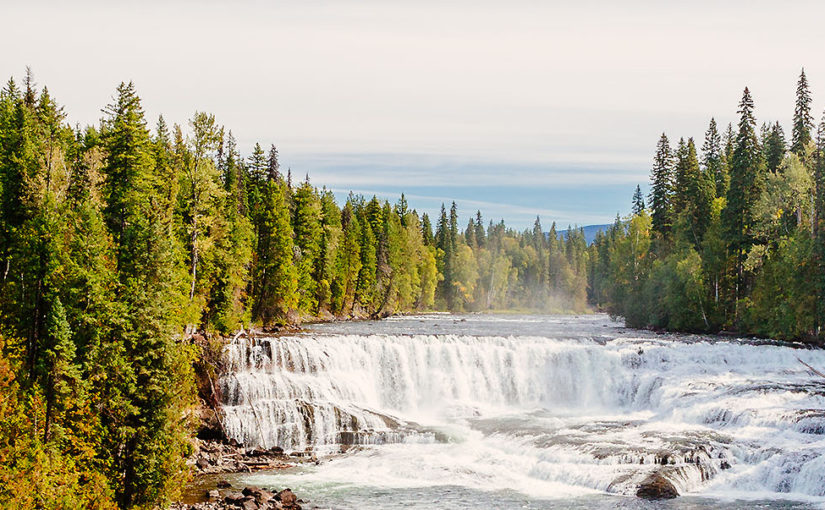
(582,409)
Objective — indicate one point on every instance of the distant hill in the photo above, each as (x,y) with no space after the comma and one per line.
(590,231)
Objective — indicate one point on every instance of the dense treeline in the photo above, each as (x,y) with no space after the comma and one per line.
(118,242)
(734,235)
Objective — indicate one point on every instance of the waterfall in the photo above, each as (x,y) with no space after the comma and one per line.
(588,412)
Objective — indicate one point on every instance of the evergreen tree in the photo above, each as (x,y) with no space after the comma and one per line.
(661,189)
(479,226)
(427,230)
(698,195)
(348,261)
(445,246)
(145,379)
(803,121)
(745,185)
(681,174)
(275,274)
(713,160)
(307,228)
(638,201)
(774,147)
(258,165)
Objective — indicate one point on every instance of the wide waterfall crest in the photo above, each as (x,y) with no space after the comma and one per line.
(592,412)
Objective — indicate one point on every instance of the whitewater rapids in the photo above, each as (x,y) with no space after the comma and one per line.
(547,407)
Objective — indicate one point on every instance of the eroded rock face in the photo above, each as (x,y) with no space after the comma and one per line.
(656,486)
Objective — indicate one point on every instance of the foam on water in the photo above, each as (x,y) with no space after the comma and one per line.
(560,407)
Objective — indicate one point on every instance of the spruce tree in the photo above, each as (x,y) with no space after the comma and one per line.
(454,226)
(774,147)
(307,228)
(275,274)
(443,242)
(699,193)
(746,168)
(348,261)
(145,386)
(126,140)
(273,167)
(427,230)
(681,175)
(713,159)
(258,165)
(661,189)
(480,236)
(638,201)
(803,121)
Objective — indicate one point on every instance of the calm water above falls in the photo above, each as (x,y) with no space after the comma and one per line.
(531,412)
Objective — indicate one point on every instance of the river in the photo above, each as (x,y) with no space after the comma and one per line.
(524,411)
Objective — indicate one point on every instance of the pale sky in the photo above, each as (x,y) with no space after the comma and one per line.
(518,108)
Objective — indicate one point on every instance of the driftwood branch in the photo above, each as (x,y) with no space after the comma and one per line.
(812,369)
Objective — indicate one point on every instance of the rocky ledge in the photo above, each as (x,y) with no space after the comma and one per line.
(213,457)
(250,498)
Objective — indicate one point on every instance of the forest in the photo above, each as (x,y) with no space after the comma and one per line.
(732,237)
(120,242)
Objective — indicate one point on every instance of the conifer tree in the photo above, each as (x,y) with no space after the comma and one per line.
(144,380)
(774,147)
(470,234)
(443,241)
(713,159)
(307,228)
(803,121)
(698,197)
(681,175)
(258,165)
(661,189)
(746,168)
(427,230)
(479,225)
(275,274)
(453,225)
(348,261)
(638,201)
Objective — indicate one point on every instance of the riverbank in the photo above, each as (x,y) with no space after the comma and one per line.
(216,466)
(248,498)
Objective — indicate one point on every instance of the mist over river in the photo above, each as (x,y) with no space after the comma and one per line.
(524,411)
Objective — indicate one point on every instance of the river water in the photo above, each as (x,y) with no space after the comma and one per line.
(511,411)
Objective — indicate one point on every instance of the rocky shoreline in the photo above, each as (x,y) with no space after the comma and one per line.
(213,457)
(248,498)
(217,457)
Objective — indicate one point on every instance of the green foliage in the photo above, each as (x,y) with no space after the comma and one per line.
(737,241)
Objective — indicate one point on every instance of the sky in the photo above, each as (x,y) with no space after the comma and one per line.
(516,108)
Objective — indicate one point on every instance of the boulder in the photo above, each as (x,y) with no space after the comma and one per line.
(248,503)
(233,498)
(288,499)
(223,484)
(656,486)
(213,495)
(261,496)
